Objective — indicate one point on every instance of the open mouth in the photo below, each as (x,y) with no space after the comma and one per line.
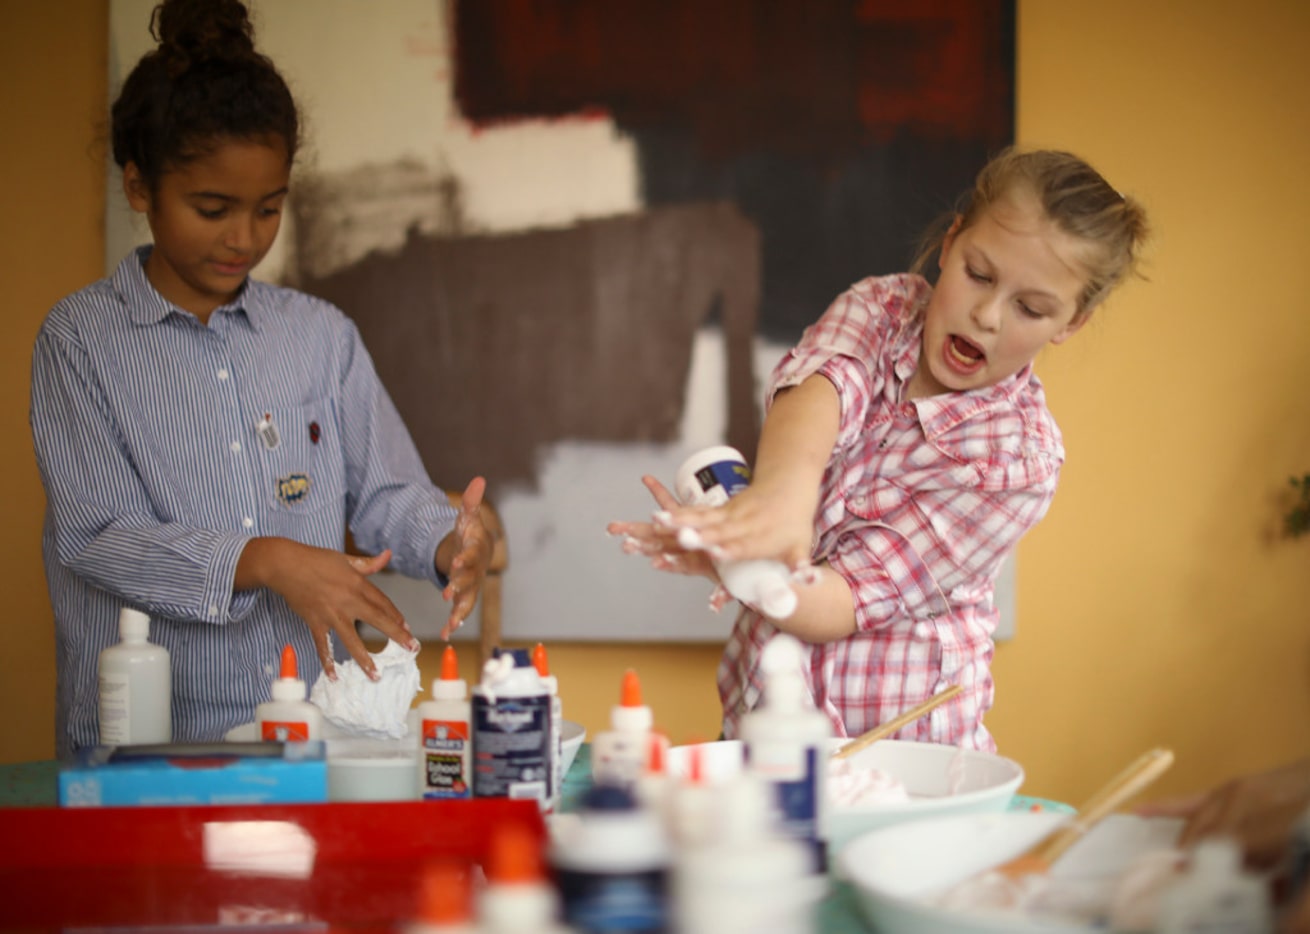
(964,354)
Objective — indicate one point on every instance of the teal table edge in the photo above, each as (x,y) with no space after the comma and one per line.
(33,784)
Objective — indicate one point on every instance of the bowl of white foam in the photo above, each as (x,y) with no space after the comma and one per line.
(930,877)
(887,783)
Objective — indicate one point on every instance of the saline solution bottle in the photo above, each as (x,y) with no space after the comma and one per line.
(136,692)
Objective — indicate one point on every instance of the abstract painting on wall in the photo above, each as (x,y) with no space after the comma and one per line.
(577,235)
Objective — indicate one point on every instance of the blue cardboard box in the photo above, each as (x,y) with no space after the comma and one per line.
(195,773)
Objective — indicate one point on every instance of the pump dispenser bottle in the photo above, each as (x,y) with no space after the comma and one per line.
(135,686)
(445,753)
(619,754)
(710,478)
(288,716)
(785,742)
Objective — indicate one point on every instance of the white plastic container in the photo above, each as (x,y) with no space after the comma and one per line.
(710,478)
(288,717)
(542,664)
(619,754)
(611,865)
(743,878)
(511,731)
(136,694)
(785,741)
(445,735)
(1216,895)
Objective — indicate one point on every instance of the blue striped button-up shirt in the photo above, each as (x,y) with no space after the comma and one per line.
(147,427)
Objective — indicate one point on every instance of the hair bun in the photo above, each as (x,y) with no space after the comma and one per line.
(194,31)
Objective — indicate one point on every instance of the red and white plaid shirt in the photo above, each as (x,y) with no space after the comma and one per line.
(920,504)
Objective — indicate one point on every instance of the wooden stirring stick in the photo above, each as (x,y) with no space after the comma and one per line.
(891,726)
(1039,857)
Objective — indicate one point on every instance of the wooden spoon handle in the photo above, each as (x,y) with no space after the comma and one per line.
(1146,769)
(891,726)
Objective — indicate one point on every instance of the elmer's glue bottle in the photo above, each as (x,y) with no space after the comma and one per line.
(540,662)
(135,686)
(710,478)
(785,742)
(445,756)
(288,716)
(445,904)
(517,898)
(619,755)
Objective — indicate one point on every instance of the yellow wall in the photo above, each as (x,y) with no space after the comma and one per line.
(1156,603)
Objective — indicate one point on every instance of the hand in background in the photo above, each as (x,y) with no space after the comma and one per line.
(464,555)
(329,590)
(1259,811)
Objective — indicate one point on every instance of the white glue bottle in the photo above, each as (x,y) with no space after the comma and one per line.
(1216,894)
(136,692)
(785,742)
(517,898)
(542,664)
(511,731)
(742,877)
(288,716)
(611,865)
(619,754)
(445,904)
(710,478)
(445,755)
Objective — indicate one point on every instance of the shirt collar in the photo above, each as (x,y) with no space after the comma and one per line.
(145,306)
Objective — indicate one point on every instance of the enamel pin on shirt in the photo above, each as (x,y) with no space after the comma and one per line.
(268,432)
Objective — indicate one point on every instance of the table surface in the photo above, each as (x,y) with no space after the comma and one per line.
(33,784)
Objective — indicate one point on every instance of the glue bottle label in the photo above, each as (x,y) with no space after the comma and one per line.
(445,750)
(511,747)
(284,730)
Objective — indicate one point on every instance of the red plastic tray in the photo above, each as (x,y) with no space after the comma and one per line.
(355,866)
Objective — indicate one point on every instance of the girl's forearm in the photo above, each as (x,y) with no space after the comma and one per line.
(799,434)
(825,610)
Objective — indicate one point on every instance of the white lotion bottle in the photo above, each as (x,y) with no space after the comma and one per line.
(288,717)
(710,478)
(445,755)
(785,742)
(743,877)
(1216,895)
(136,693)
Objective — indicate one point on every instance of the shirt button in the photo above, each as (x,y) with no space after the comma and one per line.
(236,446)
(248,522)
(213,610)
(222,374)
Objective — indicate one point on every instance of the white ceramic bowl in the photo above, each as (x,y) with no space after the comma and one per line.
(896,872)
(573,735)
(940,780)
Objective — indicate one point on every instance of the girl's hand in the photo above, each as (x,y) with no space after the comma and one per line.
(469,546)
(659,540)
(330,591)
(765,520)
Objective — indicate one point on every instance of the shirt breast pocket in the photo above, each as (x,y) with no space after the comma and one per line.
(303,472)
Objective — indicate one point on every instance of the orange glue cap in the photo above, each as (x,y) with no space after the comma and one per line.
(539,660)
(288,671)
(445,894)
(631,716)
(449,664)
(515,856)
